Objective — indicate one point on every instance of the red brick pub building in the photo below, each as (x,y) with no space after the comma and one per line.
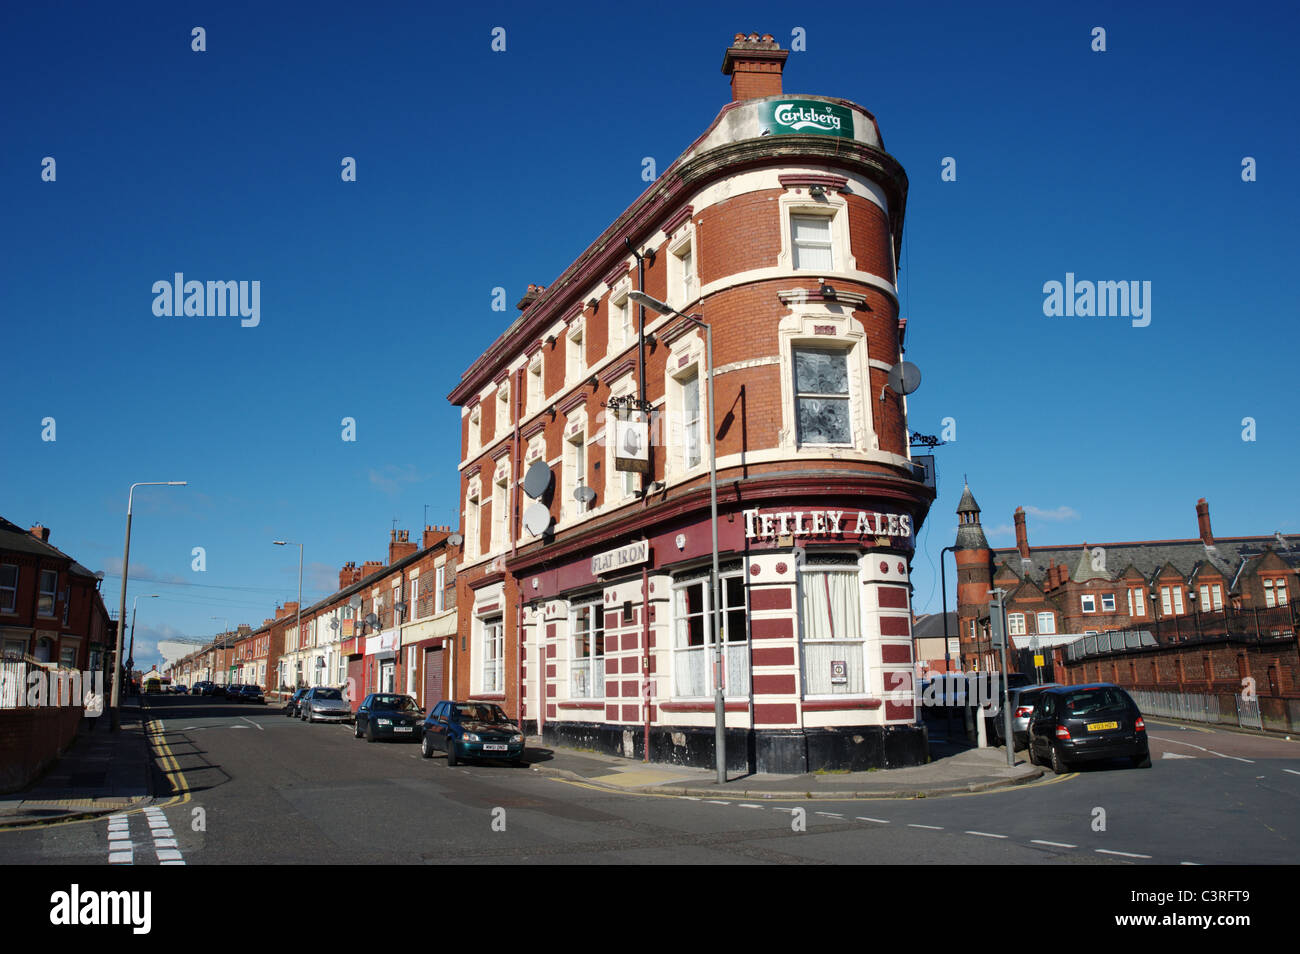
(779,228)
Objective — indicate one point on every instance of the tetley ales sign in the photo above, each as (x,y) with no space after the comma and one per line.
(805,116)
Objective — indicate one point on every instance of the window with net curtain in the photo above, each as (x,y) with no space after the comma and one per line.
(821,384)
(832,632)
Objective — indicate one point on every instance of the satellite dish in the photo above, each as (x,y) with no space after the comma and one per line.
(537,518)
(904,377)
(455,539)
(355,602)
(371,619)
(334,623)
(538,479)
(584,494)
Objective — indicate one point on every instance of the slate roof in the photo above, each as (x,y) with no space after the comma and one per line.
(930,625)
(1227,555)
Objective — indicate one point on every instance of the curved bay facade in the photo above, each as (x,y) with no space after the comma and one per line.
(779,229)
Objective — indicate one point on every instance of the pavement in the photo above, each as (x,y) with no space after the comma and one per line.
(954,768)
(102,772)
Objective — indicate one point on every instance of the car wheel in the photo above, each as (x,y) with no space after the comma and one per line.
(1058,763)
(451,752)
(1142,761)
(1033,759)
(426,748)
(370,732)
(356,730)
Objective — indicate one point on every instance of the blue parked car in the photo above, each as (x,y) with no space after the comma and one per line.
(388,715)
(471,730)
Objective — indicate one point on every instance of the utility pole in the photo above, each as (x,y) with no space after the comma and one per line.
(998,626)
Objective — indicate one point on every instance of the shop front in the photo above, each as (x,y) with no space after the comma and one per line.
(813,647)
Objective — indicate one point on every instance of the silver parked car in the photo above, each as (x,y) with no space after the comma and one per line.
(1023,700)
(324,704)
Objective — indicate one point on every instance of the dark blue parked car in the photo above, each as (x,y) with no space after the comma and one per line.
(471,730)
(388,715)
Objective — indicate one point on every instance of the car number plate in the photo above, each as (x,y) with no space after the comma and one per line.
(402,728)
(1102,726)
(490,747)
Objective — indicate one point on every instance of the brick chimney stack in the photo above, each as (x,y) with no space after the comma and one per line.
(1022,535)
(1203,522)
(41,533)
(279,612)
(370,566)
(754,64)
(433,536)
(534,292)
(348,575)
(400,546)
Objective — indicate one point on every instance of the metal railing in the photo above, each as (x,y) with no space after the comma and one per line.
(1199,707)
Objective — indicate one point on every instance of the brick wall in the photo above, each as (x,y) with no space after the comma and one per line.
(31,739)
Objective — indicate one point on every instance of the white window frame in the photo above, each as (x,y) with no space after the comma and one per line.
(1016,624)
(501,509)
(1137,607)
(685,362)
(52,594)
(622,316)
(849,646)
(503,407)
(473,530)
(440,583)
(683,282)
(536,379)
(475,432)
(575,354)
(574,472)
(1050,629)
(833,206)
(492,664)
(1088,603)
(806,327)
(1108,598)
(847,397)
(735,651)
(587,681)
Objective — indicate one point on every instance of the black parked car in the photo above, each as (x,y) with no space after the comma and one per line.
(291,706)
(388,715)
(1072,724)
(247,693)
(471,730)
(202,688)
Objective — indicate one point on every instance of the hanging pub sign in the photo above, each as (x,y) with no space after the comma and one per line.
(805,116)
(761,524)
(632,443)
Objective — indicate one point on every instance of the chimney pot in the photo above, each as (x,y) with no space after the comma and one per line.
(41,533)
(754,65)
(1203,522)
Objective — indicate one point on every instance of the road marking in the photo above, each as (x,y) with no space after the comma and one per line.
(1292,771)
(1222,756)
(931,827)
(830,814)
(1054,844)
(743,805)
(253,724)
(1123,854)
(1161,738)
(714,801)
(1175,755)
(985,834)
(878,821)
(1194,863)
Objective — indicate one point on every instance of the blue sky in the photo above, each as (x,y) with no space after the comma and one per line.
(478,169)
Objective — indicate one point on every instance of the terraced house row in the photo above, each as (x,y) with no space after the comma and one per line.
(383,629)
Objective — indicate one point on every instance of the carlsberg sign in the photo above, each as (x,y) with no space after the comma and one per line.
(805,116)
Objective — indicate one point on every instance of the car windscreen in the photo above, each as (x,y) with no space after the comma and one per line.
(1083,703)
(332,694)
(394,704)
(479,712)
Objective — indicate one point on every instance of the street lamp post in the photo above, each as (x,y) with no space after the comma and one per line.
(719,705)
(298,623)
(115,717)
